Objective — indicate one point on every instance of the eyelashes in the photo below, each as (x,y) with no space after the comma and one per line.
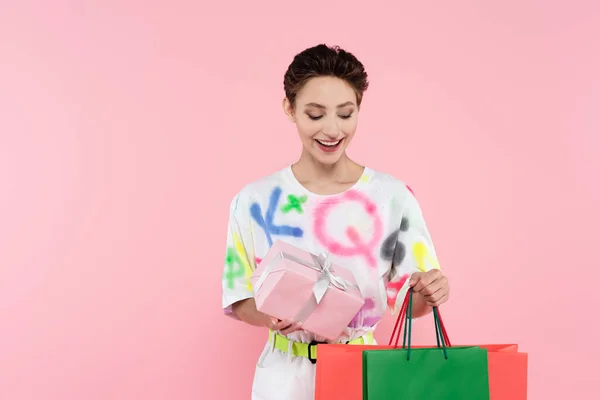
(316,118)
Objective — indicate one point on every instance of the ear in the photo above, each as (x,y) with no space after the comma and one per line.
(288,109)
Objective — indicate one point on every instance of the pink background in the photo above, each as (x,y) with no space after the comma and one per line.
(127,126)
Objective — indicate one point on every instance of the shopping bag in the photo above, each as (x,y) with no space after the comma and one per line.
(507,369)
(442,373)
(339,371)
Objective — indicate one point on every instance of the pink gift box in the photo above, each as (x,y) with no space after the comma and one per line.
(289,282)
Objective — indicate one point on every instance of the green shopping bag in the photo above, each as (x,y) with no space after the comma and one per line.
(437,373)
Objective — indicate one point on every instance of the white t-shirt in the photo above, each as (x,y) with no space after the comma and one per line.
(375,228)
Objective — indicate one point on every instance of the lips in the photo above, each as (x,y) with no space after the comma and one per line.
(329,146)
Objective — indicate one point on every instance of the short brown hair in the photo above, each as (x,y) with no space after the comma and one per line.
(322,60)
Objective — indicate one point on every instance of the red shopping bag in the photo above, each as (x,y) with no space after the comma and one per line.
(339,370)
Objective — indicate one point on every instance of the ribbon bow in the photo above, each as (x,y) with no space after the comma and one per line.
(323,262)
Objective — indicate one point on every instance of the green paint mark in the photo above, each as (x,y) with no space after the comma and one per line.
(235,268)
(294,203)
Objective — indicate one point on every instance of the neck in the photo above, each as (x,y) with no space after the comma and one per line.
(309,169)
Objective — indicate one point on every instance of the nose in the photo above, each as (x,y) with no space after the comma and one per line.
(331,128)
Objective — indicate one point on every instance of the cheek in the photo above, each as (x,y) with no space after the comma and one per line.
(349,127)
(307,130)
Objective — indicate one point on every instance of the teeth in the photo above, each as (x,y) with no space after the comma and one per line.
(328,144)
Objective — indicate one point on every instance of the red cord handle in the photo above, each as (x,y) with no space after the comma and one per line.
(402,317)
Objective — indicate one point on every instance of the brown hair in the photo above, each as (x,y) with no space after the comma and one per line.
(323,60)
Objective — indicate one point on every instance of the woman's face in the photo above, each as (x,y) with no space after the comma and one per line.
(326,116)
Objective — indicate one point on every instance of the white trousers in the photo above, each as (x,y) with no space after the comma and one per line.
(280,376)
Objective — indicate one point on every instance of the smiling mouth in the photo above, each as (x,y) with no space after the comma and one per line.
(329,145)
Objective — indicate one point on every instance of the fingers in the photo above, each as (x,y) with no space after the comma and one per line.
(432,285)
(291,328)
(420,280)
(437,298)
(270,322)
(275,324)
(284,327)
(278,325)
(437,301)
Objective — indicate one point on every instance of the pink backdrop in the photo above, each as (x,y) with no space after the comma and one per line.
(127,126)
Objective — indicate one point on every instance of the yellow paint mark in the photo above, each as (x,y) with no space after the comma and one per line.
(364,178)
(239,247)
(423,257)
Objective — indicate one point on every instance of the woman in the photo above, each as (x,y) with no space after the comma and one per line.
(365,220)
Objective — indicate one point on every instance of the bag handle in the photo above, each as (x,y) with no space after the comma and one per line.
(405,316)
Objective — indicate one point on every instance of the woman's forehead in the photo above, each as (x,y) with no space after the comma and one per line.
(328,92)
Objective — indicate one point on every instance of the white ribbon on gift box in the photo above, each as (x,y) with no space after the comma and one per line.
(323,264)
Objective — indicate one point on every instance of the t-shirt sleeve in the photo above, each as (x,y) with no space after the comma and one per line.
(414,251)
(239,258)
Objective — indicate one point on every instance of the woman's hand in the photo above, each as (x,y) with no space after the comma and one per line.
(247,312)
(432,286)
(284,327)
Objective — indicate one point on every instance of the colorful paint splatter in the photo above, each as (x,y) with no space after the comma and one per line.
(234,268)
(242,257)
(392,249)
(424,258)
(367,316)
(359,244)
(266,221)
(294,203)
(393,288)
(359,228)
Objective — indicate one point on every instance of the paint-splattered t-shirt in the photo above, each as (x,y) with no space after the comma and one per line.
(375,228)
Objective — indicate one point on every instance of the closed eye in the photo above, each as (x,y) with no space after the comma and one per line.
(318,117)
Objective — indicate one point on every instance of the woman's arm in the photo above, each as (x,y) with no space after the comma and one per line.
(246,311)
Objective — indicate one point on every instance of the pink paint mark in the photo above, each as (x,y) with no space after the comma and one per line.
(393,288)
(257,260)
(409,188)
(364,249)
(360,246)
(366,317)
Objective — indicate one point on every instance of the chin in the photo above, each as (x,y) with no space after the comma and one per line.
(327,159)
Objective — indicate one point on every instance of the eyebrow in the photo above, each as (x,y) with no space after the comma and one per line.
(316,105)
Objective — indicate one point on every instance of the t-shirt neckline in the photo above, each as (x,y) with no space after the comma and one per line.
(289,175)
